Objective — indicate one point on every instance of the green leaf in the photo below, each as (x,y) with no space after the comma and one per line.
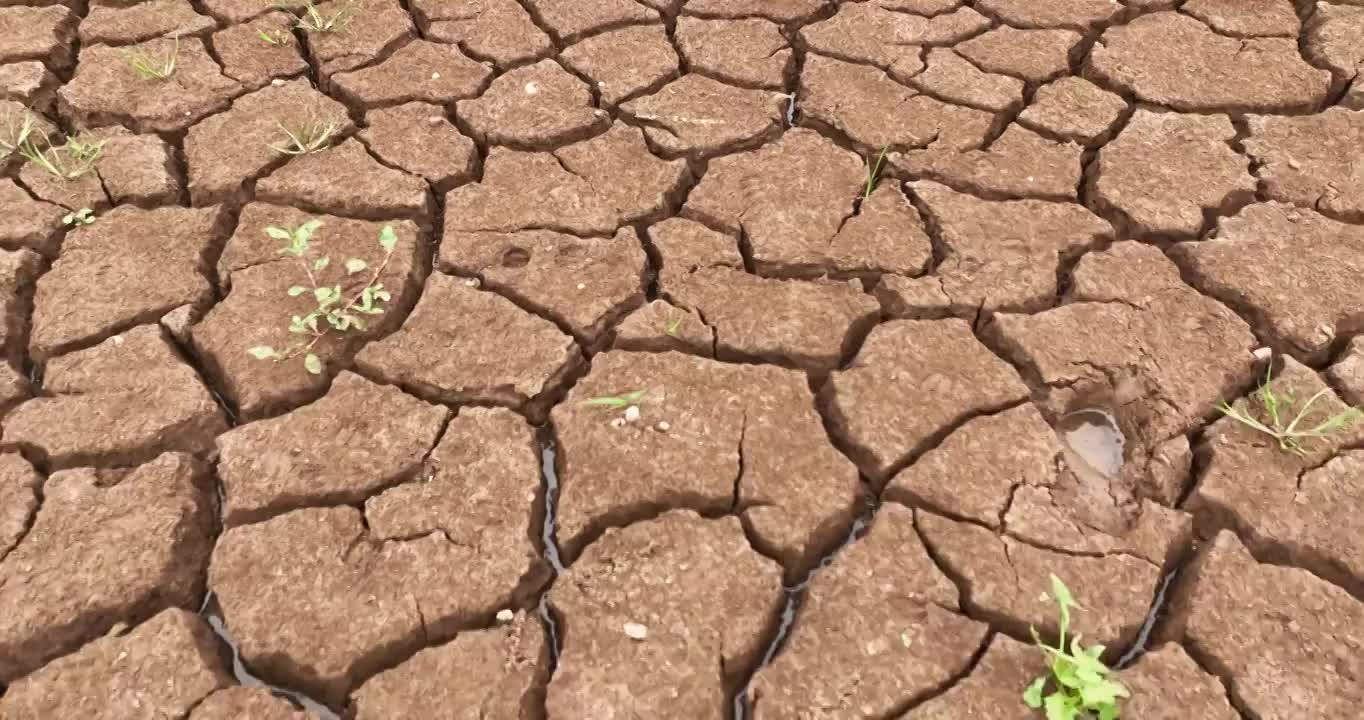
(355,265)
(382,295)
(1108,712)
(322,294)
(1062,594)
(278,233)
(1105,692)
(312,363)
(297,290)
(1059,707)
(322,263)
(262,352)
(1033,695)
(387,238)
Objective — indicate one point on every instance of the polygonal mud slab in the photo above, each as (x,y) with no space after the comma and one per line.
(371,29)
(19,488)
(249,59)
(359,438)
(1174,60)
(996,255)
(583,285)
(662,619)
(1247,18)
(951,77)
(1291,509)
(621,171)
(499,673)
(1132,336)
(508,356)
(138,169)
(713,438)
(1018,164)
(257,308)
(569,20)
(1032,55)
(71,193)
(1075,109)
(161,668)
(1347,374)
(1078,14)
(286,584)
(877,631)
(782,12)
(121,402)
(1309,300)
(228,151)
(626,62)
(28,83)
(685,246)
(1166,171)
(18,270)
(420,70)
(256,703)
(1282,640)
(122,272)
(700,117)
(26,222)
(540,105)
(37,33)
(106,91)
(444,157)
(874,110)
(874,34)
(106,547)
(1311,161)
(347,179)
(1006,582)
(661,326)
(748,53)
(808,324)
(1335,40)
(993,689)
(496,30)
(912,381)
(239,11)
(143,21)
(1166,684)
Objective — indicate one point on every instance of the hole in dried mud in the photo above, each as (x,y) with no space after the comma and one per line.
(1093,436)
(516,257)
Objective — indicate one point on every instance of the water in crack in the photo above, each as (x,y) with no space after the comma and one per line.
(214,615)
(547,534)
(1144,635)
(1092,434)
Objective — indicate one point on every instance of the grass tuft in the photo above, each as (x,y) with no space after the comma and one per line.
(314,20)
(149,66)
(874,172)
(1296,434)
(308,137)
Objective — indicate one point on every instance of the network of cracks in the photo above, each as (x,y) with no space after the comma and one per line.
(743,358)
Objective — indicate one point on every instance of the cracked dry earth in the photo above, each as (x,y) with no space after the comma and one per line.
(854,462)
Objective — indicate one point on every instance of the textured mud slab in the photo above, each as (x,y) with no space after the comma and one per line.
(242,702)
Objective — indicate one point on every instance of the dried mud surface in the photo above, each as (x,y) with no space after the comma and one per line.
(742,358)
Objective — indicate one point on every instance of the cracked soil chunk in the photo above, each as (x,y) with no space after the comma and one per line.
(28,83)
(160,669)
(625,62)
(1078,14)
(1033,55)
(1006,581)
(358,438)
(1020,163)
(18,271)
(508,356)
(874,110)
(28,223)
(1310,299)
(373,28)
(784,11)
(1174,60)
(347,179)
(886,235)
(911,381)
(705,598)
(699,116)
(748,53)
(722,445)
(496,30)
(250,60)
(582,284)
(444,157)
(810,324)
(499,673)
(72,194)
(1347,375)
(954,79)
(685,246)
(239,11)
(571,19)
(1164,171)
(992,690)
(621,170)
(1281,639)
(1335,40)
(877,631)
(143,21)
(139,169)
(870,33)
(37,33)
(537,105)
(255,703)
(1247,18)
(121,402)
(227,151)
(420,70)
(286,584)
(660,326)
(19,499)
(1311,161)
(1075,109)
(1166,684)
(106,547)
(106,91)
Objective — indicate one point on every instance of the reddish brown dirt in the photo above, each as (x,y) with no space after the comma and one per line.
(742,357)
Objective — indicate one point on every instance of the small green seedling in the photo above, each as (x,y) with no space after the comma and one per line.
(314,20)
(15,131)
(154,67)
(1293,435)
(617,401)
(333,312)
(673,325)
(309,137)
(69,161)
(275,37)
(79,218)
(1080,688)
(874,172)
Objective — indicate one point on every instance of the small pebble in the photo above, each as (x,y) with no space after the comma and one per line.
(582,286)
(632,414)
(435,76)
(471,282)
(277,82)
(663,426)
(1263,353)
(435,120)
(505,616)
(532,88)
(618,422)
(635,631)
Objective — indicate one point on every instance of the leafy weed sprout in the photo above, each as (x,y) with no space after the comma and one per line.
(314,20)
(1293,435)
(673,324)
(617,401)
(79,218)
(154,67)
(309,137)
(874,172)
(1078,679)
(275,37)
(334,312)
(16,131)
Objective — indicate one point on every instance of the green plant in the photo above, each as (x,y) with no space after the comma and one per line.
(15,131)
(673,324)
(154,67)
(1293,436)
(332,311)
(874,172)
(314,20)
(1078,679)
(617,401)
(68,161)
(84,216)
(308,137)
(275,37)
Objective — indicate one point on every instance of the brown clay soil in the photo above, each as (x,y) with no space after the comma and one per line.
(861,416)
